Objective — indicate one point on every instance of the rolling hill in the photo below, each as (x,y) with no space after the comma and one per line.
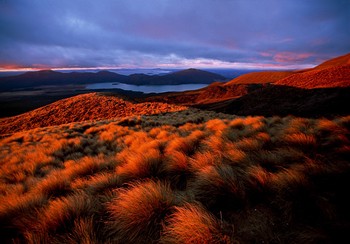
(84,107)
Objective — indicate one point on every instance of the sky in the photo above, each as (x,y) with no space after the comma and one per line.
(266,34)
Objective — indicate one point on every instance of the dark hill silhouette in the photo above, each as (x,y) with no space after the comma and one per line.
(54,78)
(193,76)
(188,76)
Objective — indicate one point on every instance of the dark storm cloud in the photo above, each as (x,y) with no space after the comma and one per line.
(148,33)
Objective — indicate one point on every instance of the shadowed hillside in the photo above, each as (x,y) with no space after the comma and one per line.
(283,100)
(215,92)
(183,177)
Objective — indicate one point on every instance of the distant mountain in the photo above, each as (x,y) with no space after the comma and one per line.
(54,78)
(192,76)
(188,76)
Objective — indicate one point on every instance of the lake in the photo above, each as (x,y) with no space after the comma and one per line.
(146,88)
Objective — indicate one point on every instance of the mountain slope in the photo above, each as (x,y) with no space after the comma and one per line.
(215,92)
(337,76)
(260,77)
(90,106)
(285,100)
(309,93)
(338,61)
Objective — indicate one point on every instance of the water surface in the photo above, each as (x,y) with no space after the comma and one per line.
(146,88)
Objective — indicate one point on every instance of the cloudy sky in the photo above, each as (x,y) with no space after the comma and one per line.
(172,33)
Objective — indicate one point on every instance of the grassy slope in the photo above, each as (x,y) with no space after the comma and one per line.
(90,106)
(337,76)
(338,61)
(260,77)
(184,177)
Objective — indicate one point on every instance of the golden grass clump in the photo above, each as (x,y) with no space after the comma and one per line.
(193,224)
(137,213)
(59,215)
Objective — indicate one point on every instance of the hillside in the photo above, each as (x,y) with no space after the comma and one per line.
(317,92)
(260,77)
(184,177)
(92,106)
(338,61)
(285,100)
(336,76)
(215,92)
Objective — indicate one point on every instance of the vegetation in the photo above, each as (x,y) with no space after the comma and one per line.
(91,106)
(181,177)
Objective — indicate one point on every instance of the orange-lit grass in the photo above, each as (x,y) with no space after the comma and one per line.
(136,214)
(60,214)
(88,181)
(193,224)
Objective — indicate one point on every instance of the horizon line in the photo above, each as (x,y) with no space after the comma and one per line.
(246,66)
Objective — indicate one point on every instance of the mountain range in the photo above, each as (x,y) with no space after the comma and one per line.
(54,78)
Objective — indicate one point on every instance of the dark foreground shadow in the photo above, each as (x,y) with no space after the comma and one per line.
(282,101)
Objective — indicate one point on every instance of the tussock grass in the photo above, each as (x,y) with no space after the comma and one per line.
(193,224)
(185,177)
(137,212)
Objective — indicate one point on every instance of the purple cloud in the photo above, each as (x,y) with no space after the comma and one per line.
(158,33)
